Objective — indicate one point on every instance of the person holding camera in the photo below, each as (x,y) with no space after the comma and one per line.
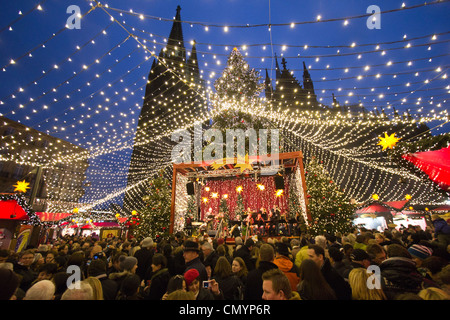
(202,290)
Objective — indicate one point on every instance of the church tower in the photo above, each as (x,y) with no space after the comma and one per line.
(174,87)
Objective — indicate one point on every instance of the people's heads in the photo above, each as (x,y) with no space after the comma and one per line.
(380,238)
(361,257)
(96,249)
(190,250)
(41,290)
(317,254)
(266,252)
(147,243)
(321,241)
(358,279)
(26,258)
(238,241)
(376,253)
(433,293)
(192,278)
(46,271)
(276,285)
(223,267)
(282,249)
(50,257)
(159,261)
(335,254)
(239,267)
(176,283)
(96,285)
(130,285)
(396,250)
(129,264)
(249,243)
(9,284)
(180,295)
(419,253)
(96,268)
(207,248)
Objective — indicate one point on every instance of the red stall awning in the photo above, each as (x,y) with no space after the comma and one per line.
(436,164)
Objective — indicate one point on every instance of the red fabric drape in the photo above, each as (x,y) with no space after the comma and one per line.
(252,196)
(436,164)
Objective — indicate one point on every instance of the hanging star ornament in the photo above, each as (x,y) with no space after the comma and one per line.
(21,186)
(388,141)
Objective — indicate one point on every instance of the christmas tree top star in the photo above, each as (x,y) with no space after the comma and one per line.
(21,186)
(388,141)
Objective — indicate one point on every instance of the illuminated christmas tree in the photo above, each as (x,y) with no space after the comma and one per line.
(330,210)
(154,220)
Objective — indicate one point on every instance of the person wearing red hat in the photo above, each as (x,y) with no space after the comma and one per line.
(193,284)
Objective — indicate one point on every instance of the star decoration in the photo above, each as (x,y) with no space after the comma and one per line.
(21,186)
(388,141)
(243,164)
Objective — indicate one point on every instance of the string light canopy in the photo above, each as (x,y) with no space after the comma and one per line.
(91,95)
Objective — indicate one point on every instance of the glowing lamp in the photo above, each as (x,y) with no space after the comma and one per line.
(279,192)
(205,200)
(225,196)
(207,189)
(214,195)
(239,189)
(408,197)
(375,197)
(134,212)
(260,187)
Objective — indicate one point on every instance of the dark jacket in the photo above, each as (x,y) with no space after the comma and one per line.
(230,286)
(206,294)
(109,286)
(211,260)
(244,253)
(197,264)
(144,257)
(26,274)
(253,288)
(343,268)
(399,275)
(158,284)
(441,227)
(341,287)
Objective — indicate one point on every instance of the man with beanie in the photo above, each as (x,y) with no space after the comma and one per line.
(144,257)
(97,269)
(419,253)
(253,288)
(191,257)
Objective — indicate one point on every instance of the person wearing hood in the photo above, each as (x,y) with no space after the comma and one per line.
(441,230)
(286,265)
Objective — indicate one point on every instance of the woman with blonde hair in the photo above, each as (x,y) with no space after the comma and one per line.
(357,279)
(96,286)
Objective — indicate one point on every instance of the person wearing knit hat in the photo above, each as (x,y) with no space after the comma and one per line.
(147,242)
(130,264)
(193,284)
(419,253)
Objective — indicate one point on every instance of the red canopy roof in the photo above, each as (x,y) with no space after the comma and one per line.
(436,164)
(442,208)
(11,210)
(397,204)
(374,208)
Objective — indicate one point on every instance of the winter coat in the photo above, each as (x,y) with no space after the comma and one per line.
(197,264)
(253,288)
(144,257)
(27,276)
(399,275)
(289,269)
(441,227)
(244,253)
(158,284)
(301,255)
(109,286)
(119,276)
(341,287)
(343,268)
(211,260)
(230,286)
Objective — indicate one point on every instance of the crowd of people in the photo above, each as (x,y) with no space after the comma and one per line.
(410,264)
